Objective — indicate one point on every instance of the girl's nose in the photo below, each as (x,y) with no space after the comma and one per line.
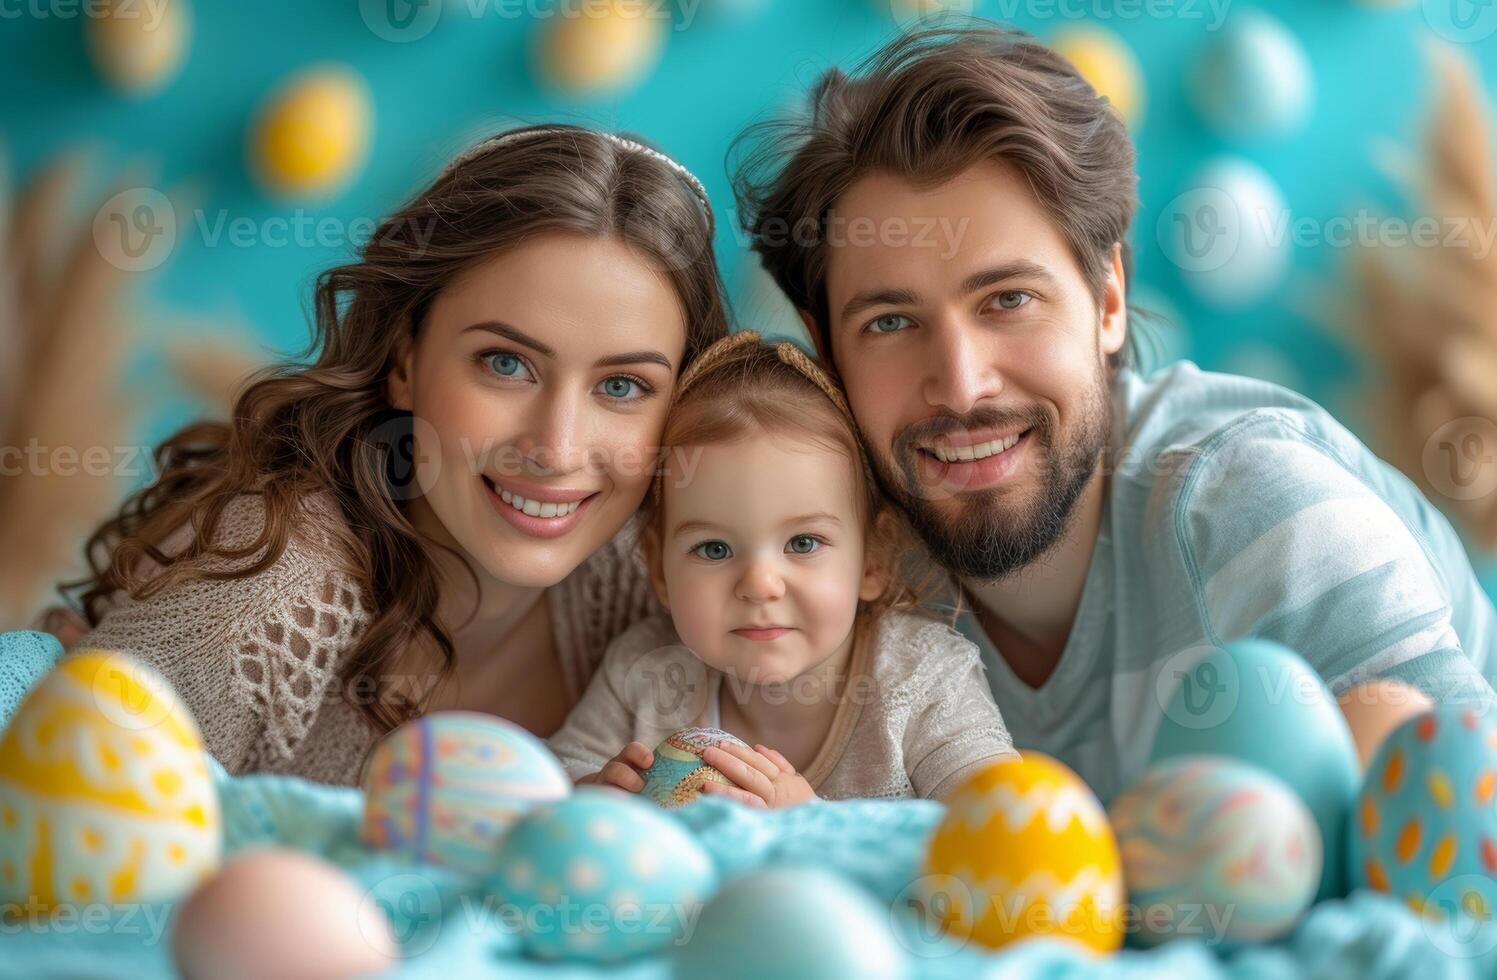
(760,582)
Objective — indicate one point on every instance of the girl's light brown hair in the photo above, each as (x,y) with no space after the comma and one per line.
(742,387)
(926,107)
(299,428)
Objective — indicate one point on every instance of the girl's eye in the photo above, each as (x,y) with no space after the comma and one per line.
(505,364)
(888,323)
(804,544)
(712,550)
(1012,299)
(625,387)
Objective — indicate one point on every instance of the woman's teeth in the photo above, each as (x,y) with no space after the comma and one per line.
(535,508)
(969,454)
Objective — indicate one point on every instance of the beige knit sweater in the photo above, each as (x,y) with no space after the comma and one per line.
(256,659)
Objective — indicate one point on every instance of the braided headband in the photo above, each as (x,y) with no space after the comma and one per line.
(624,143)
(789,354)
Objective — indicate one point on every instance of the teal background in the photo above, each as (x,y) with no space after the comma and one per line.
(734,62)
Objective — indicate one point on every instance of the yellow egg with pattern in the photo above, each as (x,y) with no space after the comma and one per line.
(1025,851)
(105,794)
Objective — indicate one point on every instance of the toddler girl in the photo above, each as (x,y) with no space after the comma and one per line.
(791,624)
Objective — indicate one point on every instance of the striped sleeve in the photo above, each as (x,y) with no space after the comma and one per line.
(1282,540)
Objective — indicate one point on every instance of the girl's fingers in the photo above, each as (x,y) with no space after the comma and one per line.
(774,756)
(739,771)
(734,793)
(752,758)
(618,774)
(637,755)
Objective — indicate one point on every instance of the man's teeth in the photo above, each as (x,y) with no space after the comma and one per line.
(535,508)
(968,454)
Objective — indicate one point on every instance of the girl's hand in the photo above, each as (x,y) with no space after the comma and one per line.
(624,770)
(761,776)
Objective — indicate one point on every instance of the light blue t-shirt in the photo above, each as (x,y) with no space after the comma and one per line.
(1239,508)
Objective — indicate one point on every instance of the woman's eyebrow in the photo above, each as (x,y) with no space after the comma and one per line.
(525,340)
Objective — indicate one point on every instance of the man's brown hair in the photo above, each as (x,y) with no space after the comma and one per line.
(925,107)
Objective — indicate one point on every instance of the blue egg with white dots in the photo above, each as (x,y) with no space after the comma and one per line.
(601,876)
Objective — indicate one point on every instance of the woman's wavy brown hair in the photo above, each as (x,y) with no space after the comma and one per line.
(299,429)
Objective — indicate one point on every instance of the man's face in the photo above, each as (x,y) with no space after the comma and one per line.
(975,360)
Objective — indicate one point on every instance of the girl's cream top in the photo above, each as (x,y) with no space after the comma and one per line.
(256,659)
(913,718)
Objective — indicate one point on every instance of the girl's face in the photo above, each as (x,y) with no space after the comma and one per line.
(762,559)
(539,384)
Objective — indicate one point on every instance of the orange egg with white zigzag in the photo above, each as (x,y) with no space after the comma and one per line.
(1025,850)
(105,794)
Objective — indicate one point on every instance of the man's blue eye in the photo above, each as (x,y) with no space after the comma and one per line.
(1013,299)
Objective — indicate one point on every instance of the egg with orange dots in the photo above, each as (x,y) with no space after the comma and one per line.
(1424,828)
(105,793)
(1026,851)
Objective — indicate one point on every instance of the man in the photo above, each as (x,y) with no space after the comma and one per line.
(951,222)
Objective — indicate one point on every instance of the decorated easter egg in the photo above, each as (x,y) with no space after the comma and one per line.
(615,45)
(790,923)
(105,794)
(1215,849)
(1108,66)
(274,912)
(313,134)
(678,773)
(445,787)
(139,47)
(1228,233)
(1258,701)
(602,875)
(1374,709)
(1025,850)
(1425,825)
(1253,79)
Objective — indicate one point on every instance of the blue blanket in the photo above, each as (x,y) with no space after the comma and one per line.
(877,844)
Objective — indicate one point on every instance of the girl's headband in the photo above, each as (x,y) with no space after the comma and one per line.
(789,354)
(624,143)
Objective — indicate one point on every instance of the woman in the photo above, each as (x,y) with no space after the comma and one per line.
(436,513)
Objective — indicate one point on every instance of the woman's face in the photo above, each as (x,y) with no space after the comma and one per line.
(539,383)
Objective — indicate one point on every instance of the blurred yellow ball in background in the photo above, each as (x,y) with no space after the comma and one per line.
(313,134)
(602,47)
(1108,65)
(139,47)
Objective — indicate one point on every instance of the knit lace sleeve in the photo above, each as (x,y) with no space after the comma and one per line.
(253,658)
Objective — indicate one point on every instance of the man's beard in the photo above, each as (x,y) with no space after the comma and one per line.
(995,534)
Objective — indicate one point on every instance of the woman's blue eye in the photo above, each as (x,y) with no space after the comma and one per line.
(1012,299)
(713,550)
(804,544)
(506,365)
(620,387)
(888,323)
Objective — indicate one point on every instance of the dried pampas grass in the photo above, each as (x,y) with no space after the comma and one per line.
(1427,315)
(66,422)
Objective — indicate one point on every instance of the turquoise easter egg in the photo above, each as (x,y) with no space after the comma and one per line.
(1254,79)
(678,773)
(1425,825)
(601,876)
(790,923)
(444,788)
(1215,849)
(1258,701)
